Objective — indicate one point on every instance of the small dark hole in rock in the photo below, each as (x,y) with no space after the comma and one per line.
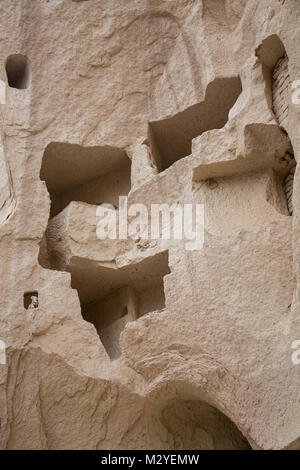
(31,300)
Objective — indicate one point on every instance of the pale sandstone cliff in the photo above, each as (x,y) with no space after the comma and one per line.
(166,101)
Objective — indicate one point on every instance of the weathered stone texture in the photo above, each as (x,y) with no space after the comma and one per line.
(141,343)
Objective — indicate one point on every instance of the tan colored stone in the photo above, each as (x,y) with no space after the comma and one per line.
(141,343)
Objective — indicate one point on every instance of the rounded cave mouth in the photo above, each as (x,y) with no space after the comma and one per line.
(196,425)
(18,71)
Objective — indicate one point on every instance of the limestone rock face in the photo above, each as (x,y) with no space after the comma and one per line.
(137,342)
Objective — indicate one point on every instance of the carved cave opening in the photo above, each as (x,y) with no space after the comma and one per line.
(31,300)
(110,298)
(94,175)
(18,71)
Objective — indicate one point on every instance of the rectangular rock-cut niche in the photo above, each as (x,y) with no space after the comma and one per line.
(275,67)
(95,175)
(170,139)
(31,300)
(111,313)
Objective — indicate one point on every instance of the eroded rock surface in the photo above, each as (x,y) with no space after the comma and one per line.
(139,343)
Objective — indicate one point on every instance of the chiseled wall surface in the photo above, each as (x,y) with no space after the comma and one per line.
(215,367)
